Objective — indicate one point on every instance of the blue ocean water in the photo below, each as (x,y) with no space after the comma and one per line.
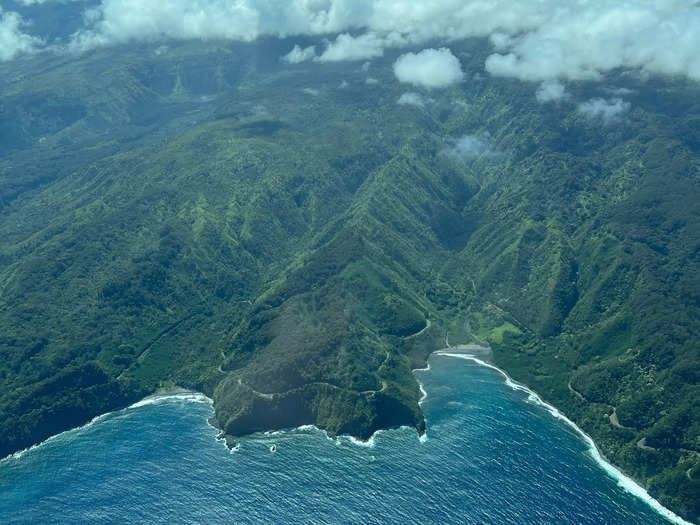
(490,457)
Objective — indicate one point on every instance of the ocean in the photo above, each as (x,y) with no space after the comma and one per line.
(493,454)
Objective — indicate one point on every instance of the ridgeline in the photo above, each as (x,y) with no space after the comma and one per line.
(213,219)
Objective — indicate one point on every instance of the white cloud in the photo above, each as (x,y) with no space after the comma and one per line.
(584,39)
(537,41)
(348,47)
(298,55)
(431,68)
(411,99)
(606,110)
(501,41)
(118,21)
(550,91)
(13,41)
(471,147)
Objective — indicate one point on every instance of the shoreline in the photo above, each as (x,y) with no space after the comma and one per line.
(627,483)
(156,398)
(465,352)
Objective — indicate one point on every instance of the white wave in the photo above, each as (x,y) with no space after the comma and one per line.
(426,369)
(20,453)
(423,438)
(339,440)
(624,481)
(424,394)
(157,399)
(370,443)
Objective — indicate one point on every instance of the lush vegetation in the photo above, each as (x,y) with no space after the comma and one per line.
(209,218)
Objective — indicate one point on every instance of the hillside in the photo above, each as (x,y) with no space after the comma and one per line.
(213,219)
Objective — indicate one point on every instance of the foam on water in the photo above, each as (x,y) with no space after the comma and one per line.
(484,463)
(623,481)
(370,443)
(426,369)
(338,440)
(186,396)
(20,453)
(190,397)
(424,394)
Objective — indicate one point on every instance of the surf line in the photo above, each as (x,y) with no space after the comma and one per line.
(155,399)
(338,439)
(423,438)
(423,393)
(623,481)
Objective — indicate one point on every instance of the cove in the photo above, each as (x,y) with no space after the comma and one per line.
(489,456)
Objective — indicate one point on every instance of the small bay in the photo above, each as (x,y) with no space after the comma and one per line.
(490,457)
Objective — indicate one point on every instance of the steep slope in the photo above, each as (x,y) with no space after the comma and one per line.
(327,345)
(276,241)
(585,267)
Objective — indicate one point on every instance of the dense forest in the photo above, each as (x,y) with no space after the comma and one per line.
(291,241)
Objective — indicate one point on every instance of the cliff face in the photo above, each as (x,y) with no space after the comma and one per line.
(280,250)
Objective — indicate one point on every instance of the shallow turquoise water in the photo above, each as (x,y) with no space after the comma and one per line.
(490,457)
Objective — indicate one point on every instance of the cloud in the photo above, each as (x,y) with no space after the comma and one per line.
(411,99)
(13,41)
(431,68)
(582,40)
(472,147)
(606,110)
(120,21)
(298,55)
(348,47)
(618,91)
(550,91)
(536,41)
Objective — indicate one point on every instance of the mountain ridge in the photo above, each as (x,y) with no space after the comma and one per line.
(267,240)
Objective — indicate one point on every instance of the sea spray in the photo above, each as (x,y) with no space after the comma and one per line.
(423,393)
(623,481)
(186,396)
(155,399)
(20,453)
(423,438)
(160,460)
(313,429)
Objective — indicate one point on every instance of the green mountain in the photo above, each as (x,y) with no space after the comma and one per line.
(207,217)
